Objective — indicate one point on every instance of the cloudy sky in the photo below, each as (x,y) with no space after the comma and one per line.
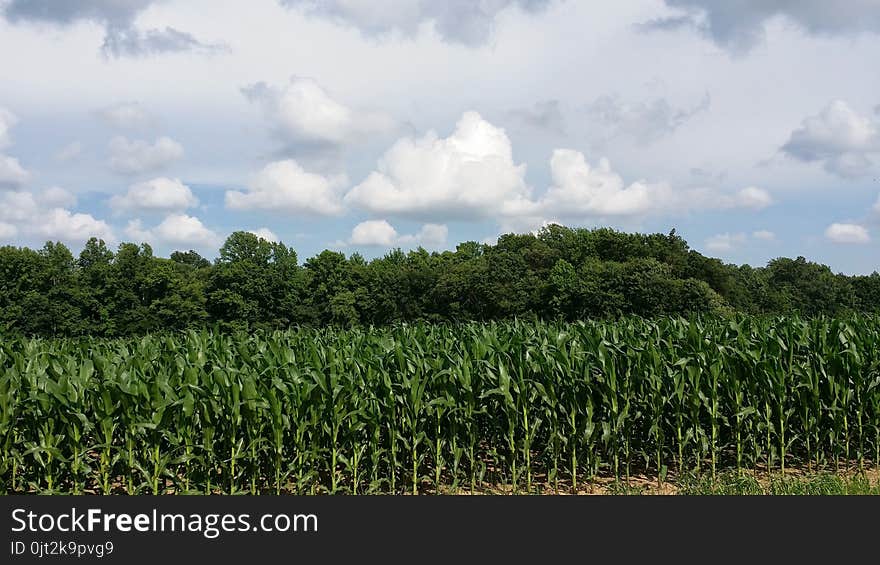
(752,127)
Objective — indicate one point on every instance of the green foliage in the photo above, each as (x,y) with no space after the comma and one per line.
(738,484)
(559,273)
(416,407)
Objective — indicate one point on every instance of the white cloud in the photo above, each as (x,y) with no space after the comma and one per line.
(847,233)
(379,233)
(525,224)
(136,231)
(725,241)
(57,197)
(267,234)
(465,22)
(284,186)
(64,225)
(176,229)
(7,120)
(12,174)
(18,206)
(7,231)
(471,175)
(70,151)
(157,195)
(751,197)
(303,113)
(374,232)
(580,190)
(703,198)
(131,157)
(839,138)
(431,235)
(126,115)
(45,215)
(468,175)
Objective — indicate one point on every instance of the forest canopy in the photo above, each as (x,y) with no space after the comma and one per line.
(557,273)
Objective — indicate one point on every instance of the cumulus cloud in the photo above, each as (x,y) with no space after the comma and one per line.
(644,122)
(739,26)
(121,37)
(379,233)
(581,190)
(854,231)
(302,113)
(157,195)
(7,120)
(57,197)
(471,175)
(523,224)
(132,157)
(752,198)
(267,234)
(839,138)
(431,235)
(284,186)
(18,206)
(176,229)
(374,232)
(468,175)
(12,174)
(125,115)
(45,215)
(725,241)
(467,22)
(62,224)
(847,233)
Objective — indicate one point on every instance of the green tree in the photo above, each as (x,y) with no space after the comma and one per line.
(254,283)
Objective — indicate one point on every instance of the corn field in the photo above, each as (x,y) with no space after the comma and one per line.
(427,408)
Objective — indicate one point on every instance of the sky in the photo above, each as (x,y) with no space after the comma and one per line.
(751,127)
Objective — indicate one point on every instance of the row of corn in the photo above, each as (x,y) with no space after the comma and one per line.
(428,408)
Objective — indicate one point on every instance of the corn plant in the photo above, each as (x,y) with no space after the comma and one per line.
(532,405)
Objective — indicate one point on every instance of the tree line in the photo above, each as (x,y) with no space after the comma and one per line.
(559,272)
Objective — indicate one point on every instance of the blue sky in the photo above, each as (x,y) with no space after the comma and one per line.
(751,127)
